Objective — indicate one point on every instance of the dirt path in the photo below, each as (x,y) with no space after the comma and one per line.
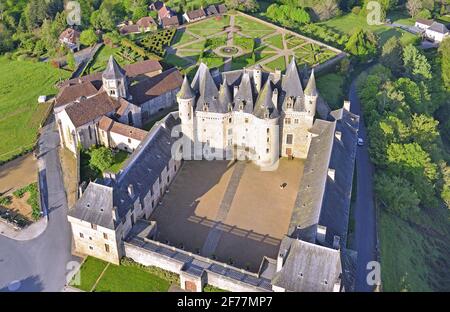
(18,173)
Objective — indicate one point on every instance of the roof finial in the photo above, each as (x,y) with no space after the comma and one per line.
(186,91)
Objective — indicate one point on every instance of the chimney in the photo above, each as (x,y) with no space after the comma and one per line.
(338,135)
(131,190)
(332,173)
(115,214)
(280,260)
(336,241)
(275,97)
(235,91)
(347,105)
(321,233)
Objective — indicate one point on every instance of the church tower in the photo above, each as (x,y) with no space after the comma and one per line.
(311,96)
(115,81)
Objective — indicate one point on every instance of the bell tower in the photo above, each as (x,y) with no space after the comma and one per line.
(115,81)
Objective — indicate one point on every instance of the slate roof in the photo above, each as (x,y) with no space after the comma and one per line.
(311,88)
(336,202)
(205,86)
(212,10)
(153,87)
(308,204)
(439,28)
(73,92)
(95,206)
(222,8)
(145,165)
(186,91)
(113,70)
(309,267)
(424,21)
(87,110)
(264,105)
(129,29)
(141,170)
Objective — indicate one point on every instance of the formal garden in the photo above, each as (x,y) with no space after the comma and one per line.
(236,41)
(22,206)
(96,275)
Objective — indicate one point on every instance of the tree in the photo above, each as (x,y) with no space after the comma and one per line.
(88,37)
(391,54)
(326,9)
(414,7)
(424,130)
(444,51)
(397,194)
(243,5)
(287,15)
(445,193)
(416,64)
(101,158)
(362,44)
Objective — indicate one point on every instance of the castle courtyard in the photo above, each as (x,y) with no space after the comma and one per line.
(230,211)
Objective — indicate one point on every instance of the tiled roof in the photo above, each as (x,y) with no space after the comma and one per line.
(90,109)
(424,21)
(170,21)
(195,14)
(71,35)
(146,22)
(123,129)
(73,92)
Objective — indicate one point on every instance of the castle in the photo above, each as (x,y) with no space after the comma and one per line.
(260,115)
(265,116)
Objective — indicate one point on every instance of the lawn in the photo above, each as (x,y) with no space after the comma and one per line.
(21,83)
(101,59)
(253,28)
(415,258)
(276,41)
(182,37)
(128,277)
(89,273)
(209,26)
(330,87)
(347,24)
(278,63)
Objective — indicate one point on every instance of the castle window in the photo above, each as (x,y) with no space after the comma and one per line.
(246,120)
(268,139)
(106,247)
(105,236)
(289,139)
(81,235)
(91,248)
(268,130)
(230,120)
(287,121)
(93,226)
(90,132)
(296,121)
(267,151)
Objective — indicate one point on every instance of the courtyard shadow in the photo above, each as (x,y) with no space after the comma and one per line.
(29,284)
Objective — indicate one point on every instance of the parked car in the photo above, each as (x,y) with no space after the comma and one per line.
(360,142)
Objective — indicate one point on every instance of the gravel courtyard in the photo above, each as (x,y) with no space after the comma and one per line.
(230,211)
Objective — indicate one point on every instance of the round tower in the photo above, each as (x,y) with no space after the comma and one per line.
(257,77)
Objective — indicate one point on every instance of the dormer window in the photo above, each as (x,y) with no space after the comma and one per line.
(290,102)
(205,107)
(266,114)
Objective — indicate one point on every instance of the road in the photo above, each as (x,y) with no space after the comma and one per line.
(365,219)
(40,264)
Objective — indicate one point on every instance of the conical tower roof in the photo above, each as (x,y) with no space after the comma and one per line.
(311,89)
(113,70)
(291,83)
(186,92)
(264,103)
(225,97)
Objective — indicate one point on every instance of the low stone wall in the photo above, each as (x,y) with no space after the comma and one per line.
(152,258)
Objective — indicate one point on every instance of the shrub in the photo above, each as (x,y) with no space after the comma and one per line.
(101,158)
(5,201)
(166,275)
(356,10)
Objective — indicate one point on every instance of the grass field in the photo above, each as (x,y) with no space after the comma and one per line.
(276,41)
(347,24)
(182,37)
(210,26)
(253,28)
(21,83)
(101,59)
(278,63)
(123,278)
